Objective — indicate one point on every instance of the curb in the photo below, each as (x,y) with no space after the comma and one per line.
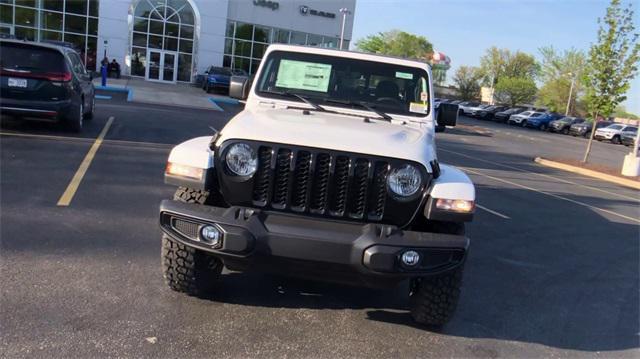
(588,173)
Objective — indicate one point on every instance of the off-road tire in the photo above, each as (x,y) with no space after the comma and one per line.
(188,195)
(616,140)
(186,269)
(433,300)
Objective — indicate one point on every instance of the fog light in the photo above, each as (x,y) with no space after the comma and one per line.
(410,258)
(211,235)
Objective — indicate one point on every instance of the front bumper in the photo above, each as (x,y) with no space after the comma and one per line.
(351,253)
(601,136)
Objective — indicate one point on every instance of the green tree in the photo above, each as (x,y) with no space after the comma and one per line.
(467,80)
(397,43)
(497,63)
(515,90)
(612,63)
(561,76)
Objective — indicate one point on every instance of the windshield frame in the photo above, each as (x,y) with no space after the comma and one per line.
(260,89)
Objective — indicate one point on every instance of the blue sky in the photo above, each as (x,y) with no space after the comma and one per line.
(463,29)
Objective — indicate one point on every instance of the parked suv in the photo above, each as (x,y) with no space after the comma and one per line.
(612,132)
(562,125)
(337,180)
(628,136)
(521,118)
(504,116)
(584,128)
(489,112)
(45,81)
(541,122)
(219,77)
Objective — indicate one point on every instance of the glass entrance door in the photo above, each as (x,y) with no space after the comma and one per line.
(161,66)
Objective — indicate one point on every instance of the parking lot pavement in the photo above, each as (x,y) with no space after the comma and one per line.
(552,269)
(526,141)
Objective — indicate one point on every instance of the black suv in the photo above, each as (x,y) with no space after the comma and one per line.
(503,116)
(489,112)
(562,125)
(584,128)
(45,81)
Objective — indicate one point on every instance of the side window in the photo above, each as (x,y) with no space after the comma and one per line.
(76,64)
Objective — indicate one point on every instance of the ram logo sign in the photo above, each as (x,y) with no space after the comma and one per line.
(305,10)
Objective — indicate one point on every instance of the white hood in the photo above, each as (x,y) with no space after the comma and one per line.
(333,131)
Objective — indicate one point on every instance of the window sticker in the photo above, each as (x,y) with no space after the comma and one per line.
(424,96)
(417,107)
(303,75)
(404,75)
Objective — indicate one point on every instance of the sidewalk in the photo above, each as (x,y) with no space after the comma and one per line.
(182,95)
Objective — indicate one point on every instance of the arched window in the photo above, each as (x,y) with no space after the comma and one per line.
(166,26)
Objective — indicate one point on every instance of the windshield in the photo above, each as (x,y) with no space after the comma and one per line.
(526,113)
(536,114)
(346,82)
(614,127)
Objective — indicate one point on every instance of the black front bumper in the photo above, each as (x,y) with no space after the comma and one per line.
(352,253)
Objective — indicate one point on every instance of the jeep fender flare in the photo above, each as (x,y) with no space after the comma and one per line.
(194,153)
(451,184)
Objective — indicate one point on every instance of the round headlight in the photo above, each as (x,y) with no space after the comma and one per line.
(405,181)
(242,159)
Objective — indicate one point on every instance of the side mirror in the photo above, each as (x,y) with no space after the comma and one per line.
(447,114)
(239,87)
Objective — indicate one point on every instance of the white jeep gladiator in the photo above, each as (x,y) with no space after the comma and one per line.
(330,173)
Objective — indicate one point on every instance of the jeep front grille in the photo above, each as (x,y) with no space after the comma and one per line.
(320,183)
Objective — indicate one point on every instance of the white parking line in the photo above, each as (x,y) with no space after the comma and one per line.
(493,212)
(541,175)
(552,195)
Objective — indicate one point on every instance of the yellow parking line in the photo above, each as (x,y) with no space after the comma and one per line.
(68,194)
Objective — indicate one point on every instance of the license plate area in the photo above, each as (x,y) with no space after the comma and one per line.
(20,83)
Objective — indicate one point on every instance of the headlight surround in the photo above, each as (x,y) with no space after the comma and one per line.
(241,160)
(405,181)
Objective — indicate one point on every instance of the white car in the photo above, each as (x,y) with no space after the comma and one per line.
(323,177)
(521,118)
(612,133)
(464,107)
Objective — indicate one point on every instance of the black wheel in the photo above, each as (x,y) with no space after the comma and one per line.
(89,115)
(74,120)
(565,131)
(523,123)
(189,270)
(207,88)
(186,269)
(616,140)
(433,299)
(544,127)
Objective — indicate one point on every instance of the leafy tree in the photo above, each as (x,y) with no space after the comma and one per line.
(612,63)
(492,64)
(467,80)
(397,43)
(515,90)
(522,65)
(558,71)
(497,63)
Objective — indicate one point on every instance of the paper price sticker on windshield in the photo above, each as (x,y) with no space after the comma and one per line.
(303,75)
(417,107)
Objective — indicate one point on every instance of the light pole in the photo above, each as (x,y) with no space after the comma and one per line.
(573,80)
(344,11)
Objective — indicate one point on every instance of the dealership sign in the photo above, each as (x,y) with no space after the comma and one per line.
(305,10)
(273,5)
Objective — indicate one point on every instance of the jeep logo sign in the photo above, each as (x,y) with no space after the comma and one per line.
(305,10)
(273,5)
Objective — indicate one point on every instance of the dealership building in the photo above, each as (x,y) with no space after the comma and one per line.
(173,40)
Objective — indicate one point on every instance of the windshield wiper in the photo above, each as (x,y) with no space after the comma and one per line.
(363,105)
(300,97)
